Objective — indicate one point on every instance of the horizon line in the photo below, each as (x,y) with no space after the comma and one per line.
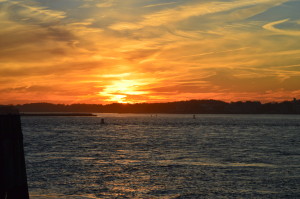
(293,99)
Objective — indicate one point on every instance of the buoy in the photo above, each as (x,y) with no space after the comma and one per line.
(102,121)
(194,116)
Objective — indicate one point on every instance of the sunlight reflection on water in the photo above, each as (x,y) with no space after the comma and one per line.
(168,156)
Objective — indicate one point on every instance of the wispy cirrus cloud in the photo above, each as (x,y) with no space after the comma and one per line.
(105,4)
(159,4)
(272,27)
(168,16)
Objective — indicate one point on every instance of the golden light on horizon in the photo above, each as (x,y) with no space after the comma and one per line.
(123,91)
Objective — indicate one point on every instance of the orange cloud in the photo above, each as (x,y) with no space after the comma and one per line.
(133,51)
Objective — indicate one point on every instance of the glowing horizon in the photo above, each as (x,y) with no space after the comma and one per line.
(105,51)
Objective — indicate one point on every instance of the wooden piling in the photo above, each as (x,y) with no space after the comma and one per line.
(13,179)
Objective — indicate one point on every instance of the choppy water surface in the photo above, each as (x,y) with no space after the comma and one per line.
(168,156)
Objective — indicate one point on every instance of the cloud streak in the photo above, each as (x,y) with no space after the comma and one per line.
(184,12)
(159,4)
(272,27)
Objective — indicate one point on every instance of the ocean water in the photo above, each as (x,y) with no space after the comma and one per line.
(163,156)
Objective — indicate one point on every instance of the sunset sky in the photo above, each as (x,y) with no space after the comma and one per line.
(131,51)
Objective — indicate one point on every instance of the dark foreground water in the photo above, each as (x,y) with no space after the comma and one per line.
(168,156)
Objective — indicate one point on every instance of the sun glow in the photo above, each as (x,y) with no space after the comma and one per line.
(123,91)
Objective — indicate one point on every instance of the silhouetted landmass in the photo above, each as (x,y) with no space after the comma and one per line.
(181,107)
(56,114)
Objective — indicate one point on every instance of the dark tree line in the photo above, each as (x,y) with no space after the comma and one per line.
(191,107)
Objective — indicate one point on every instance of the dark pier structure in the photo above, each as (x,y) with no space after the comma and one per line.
(13,179)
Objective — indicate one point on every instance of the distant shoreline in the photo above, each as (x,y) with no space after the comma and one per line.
(152,114)
(179,107)
(58,114)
